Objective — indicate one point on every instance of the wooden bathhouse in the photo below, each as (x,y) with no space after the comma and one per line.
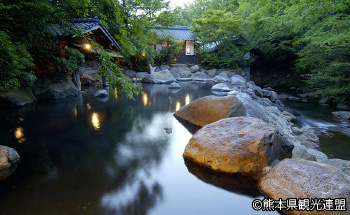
(179,33)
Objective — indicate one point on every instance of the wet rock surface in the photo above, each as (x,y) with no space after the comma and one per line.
(54,86)
(221,79)
(200,76)
(211,73)
(194,68)
(210,109)
(242,145)
(130,73)
(5,173)
(238,80)
(161,77)
(296,178)
(8,156)
(17,98)
(141,75)
(345,115)
(174,85)
(101,93)
(223,87)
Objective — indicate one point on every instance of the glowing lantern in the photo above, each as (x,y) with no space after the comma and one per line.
(87,46)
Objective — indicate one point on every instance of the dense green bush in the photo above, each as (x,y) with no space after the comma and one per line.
(14,61)
(309,37)
(167,54)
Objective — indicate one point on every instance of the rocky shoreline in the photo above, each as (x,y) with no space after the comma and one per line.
(246,131)
(252,101)
(253,134)
(9,160)
(263,104)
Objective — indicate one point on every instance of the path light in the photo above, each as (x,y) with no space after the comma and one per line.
(87,46)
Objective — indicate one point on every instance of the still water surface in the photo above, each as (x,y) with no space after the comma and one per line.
(87,156)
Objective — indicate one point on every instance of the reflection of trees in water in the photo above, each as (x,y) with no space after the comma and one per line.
(69,166)
(145,200)
(141,151)
(137,198)
(64,156)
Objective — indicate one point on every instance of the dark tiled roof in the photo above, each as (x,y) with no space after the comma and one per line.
(86,25)
(178,32)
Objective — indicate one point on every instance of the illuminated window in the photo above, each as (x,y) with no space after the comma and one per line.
(189,48)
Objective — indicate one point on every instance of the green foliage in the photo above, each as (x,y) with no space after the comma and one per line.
(167,54)
(215,60)
(27,41)
(115,76)
(218,28)
(14,61)
(128,20)
(325,47)
(195,10)
(167,18)
(310,37)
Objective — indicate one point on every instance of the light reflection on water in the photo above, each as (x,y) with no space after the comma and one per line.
(95,121)
(20,135)
(130,166)
(75,112)
(178,106)
(145,99)
(187,99)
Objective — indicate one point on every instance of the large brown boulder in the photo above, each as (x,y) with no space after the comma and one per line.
(8,156)
(243,145)
(210,109)
(296,178)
